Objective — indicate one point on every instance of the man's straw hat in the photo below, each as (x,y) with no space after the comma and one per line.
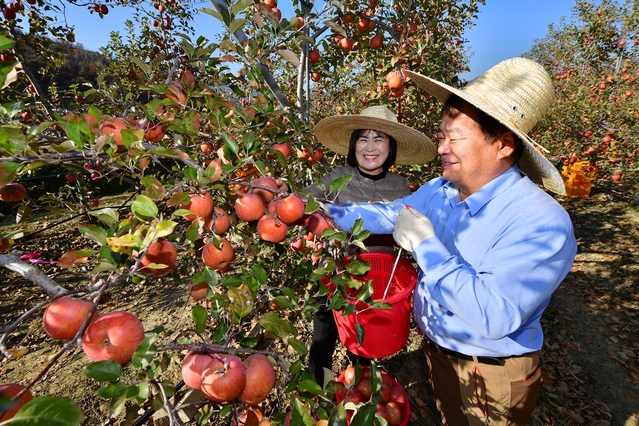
(413,147)
(517,92)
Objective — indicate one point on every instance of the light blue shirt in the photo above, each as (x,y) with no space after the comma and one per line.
(498,256)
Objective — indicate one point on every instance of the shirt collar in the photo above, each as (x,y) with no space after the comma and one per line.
(486,193)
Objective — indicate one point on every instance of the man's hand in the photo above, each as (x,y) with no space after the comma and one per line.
(411,229)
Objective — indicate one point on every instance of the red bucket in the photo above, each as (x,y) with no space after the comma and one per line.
(385,330)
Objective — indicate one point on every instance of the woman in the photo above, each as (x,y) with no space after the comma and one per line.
(372,142)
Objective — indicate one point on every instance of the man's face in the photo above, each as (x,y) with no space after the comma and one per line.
(468,159)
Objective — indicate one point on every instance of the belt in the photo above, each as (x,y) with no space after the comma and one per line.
(481,359)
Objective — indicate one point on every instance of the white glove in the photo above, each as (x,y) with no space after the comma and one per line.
(411,229)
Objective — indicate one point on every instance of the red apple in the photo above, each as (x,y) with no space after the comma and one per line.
(317,223)
(70,177)
(114,336)
(161,252)
(265,193)
(12,193)
(218,258)
(198,291)
(398,396)
(271,229)
(382,412)
(260,379)
(154,132)
(284,148)
(218,222)
(9,390)
(224,378)
(64,317)
(290,209)
(114,128)
(94,202)
(193,365)
(394,413)
(249,207)
(200,204)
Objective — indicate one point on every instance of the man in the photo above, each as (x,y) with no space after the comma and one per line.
(491,245)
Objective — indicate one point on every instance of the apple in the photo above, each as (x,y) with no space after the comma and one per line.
(193,365)
(271,229)
(206,147)
(70,177)
(114,128)
(154,132)
(355,397)
(260,379)
(349,374)
(198,291)
(394,413)
(398,396)
(218,222)
(265,193)
(200,204)
(12,192)
(314,56)
(249,207)
(317,155)
(284,148)
(9,390)
(224,378)
(377,42)
(290,209)
(346,44)
(104,9)
(249,416)
(297,244)
(94,202)
(218,258)
(114,336)
(161,252)
(382,412)
(64,316)
(364,387)
(317,223)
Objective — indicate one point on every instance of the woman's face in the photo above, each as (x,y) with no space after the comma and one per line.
(371,151)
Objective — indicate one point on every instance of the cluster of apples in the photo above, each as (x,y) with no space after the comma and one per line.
(224,377)
(393,406)
(113,336)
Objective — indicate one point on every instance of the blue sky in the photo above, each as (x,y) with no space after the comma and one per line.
(504,28)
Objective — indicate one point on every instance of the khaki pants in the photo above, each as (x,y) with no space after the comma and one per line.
(473,393)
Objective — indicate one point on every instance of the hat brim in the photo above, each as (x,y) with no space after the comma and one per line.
(533,163)
(413,147)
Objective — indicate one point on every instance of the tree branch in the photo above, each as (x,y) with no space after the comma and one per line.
(31,273)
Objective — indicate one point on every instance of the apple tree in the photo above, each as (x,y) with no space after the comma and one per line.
(594,59)
(198,132)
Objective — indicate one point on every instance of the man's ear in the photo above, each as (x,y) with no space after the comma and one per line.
(506,145)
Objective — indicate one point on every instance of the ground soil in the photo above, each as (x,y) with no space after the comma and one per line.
(590,356)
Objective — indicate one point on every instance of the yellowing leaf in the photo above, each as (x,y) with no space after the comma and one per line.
(290,57)
(18,352)
(72,258)
(125,243)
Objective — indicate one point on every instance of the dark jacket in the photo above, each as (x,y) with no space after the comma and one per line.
(361,188)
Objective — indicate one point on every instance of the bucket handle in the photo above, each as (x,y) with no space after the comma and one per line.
(392,273)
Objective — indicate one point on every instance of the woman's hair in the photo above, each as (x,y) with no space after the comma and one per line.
(490,127)
(392,149)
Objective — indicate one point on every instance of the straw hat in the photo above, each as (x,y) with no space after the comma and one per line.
(413,147)
(517,92)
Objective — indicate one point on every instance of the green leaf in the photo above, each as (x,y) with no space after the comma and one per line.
(93,232)
(340,183)
(154,188)
(144,208)
(231,145)
(237,24)
(359,267)
(338,416)
(301,413)
(108,216)
(259,273)
(284,302)
(6,43)
(47,410)
(200,316)
(335,27)
(297,345)
(311,205)
(276,325)
(365,416)
(24,212)
(103,371)
(309,386)
(357,227)
(241,5)
(143,355)
(359,332)
(114,390)
(8,171)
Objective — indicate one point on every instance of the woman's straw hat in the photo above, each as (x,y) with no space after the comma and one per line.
(517,92)
(413,147)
